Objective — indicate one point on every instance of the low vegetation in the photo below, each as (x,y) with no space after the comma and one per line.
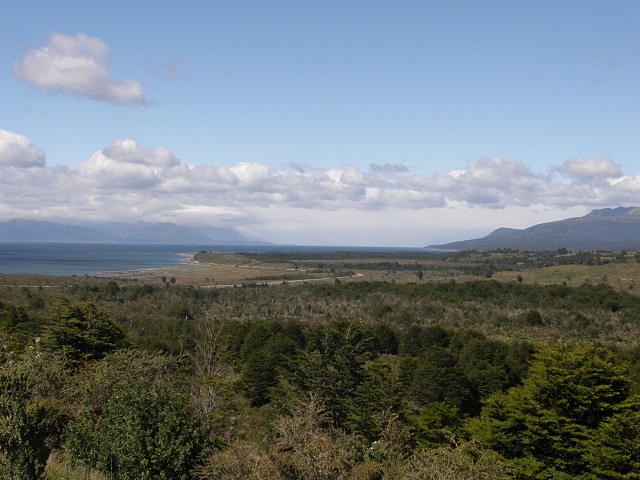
(501,364)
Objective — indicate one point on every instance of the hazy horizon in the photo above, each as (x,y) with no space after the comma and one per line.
(377,123)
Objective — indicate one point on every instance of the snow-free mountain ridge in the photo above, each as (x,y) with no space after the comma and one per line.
(20,230)
(604,229)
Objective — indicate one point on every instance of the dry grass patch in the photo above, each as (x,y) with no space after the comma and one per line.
(620,276)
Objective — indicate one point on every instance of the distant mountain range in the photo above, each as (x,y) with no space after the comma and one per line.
(19,230)
(606,229)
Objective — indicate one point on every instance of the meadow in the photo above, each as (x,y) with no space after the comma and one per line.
(334,365)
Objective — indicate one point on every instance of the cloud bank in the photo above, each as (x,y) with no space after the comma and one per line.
(16,151)
(127,181)
(78,65)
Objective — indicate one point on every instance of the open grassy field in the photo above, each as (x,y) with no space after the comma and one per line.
(229,269)
(223,269)
(620,276)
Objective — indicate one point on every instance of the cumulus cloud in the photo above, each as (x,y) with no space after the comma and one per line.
(16,151)
(128,181)
(78,65)
(129,151)
(591,170)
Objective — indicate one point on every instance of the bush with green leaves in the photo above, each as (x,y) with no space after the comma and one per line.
(142,434)
(27,434)
(574,405)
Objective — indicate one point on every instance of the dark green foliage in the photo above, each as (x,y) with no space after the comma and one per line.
(533,318)
(263,365)
(330,366)
(378,359)
(234,333)
(438,378)
(383,340)
(16,321)
(517,360)
(111,289)
(12,318)
(255,339)
(81,332)
(416,340)
(375,402)
(484,364)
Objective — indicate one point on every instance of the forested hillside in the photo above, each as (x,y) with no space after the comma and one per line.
(366,378)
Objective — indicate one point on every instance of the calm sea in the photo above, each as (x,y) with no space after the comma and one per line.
(65,259)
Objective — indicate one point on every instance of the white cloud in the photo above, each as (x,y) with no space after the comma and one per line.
(103,172)
(129,151)
(127,181)
(591,170)
(78,65)
(16,151)
(251,173)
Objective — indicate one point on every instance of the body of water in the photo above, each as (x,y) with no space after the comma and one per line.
(66,259)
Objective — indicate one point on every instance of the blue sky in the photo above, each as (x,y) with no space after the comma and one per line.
(320,122)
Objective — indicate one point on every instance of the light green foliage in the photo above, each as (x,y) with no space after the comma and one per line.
(213,376)
(59,468)
(306,446)
(437,424)
(140,434)
(27,433)
(92,387)
(134,418)
(32,415)
(462,462)
(546,427)
(614,450)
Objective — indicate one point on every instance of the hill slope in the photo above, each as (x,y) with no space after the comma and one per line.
(605,229)
(19,230)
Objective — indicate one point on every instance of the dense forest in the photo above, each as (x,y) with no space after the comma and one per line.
(448,374)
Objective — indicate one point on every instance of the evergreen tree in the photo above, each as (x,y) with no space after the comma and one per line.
(330,366)
(375,402)
(546,426)
(82,332)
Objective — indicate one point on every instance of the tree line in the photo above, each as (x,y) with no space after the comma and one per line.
(354,381)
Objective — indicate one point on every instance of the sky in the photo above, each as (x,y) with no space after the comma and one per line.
(320,122)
